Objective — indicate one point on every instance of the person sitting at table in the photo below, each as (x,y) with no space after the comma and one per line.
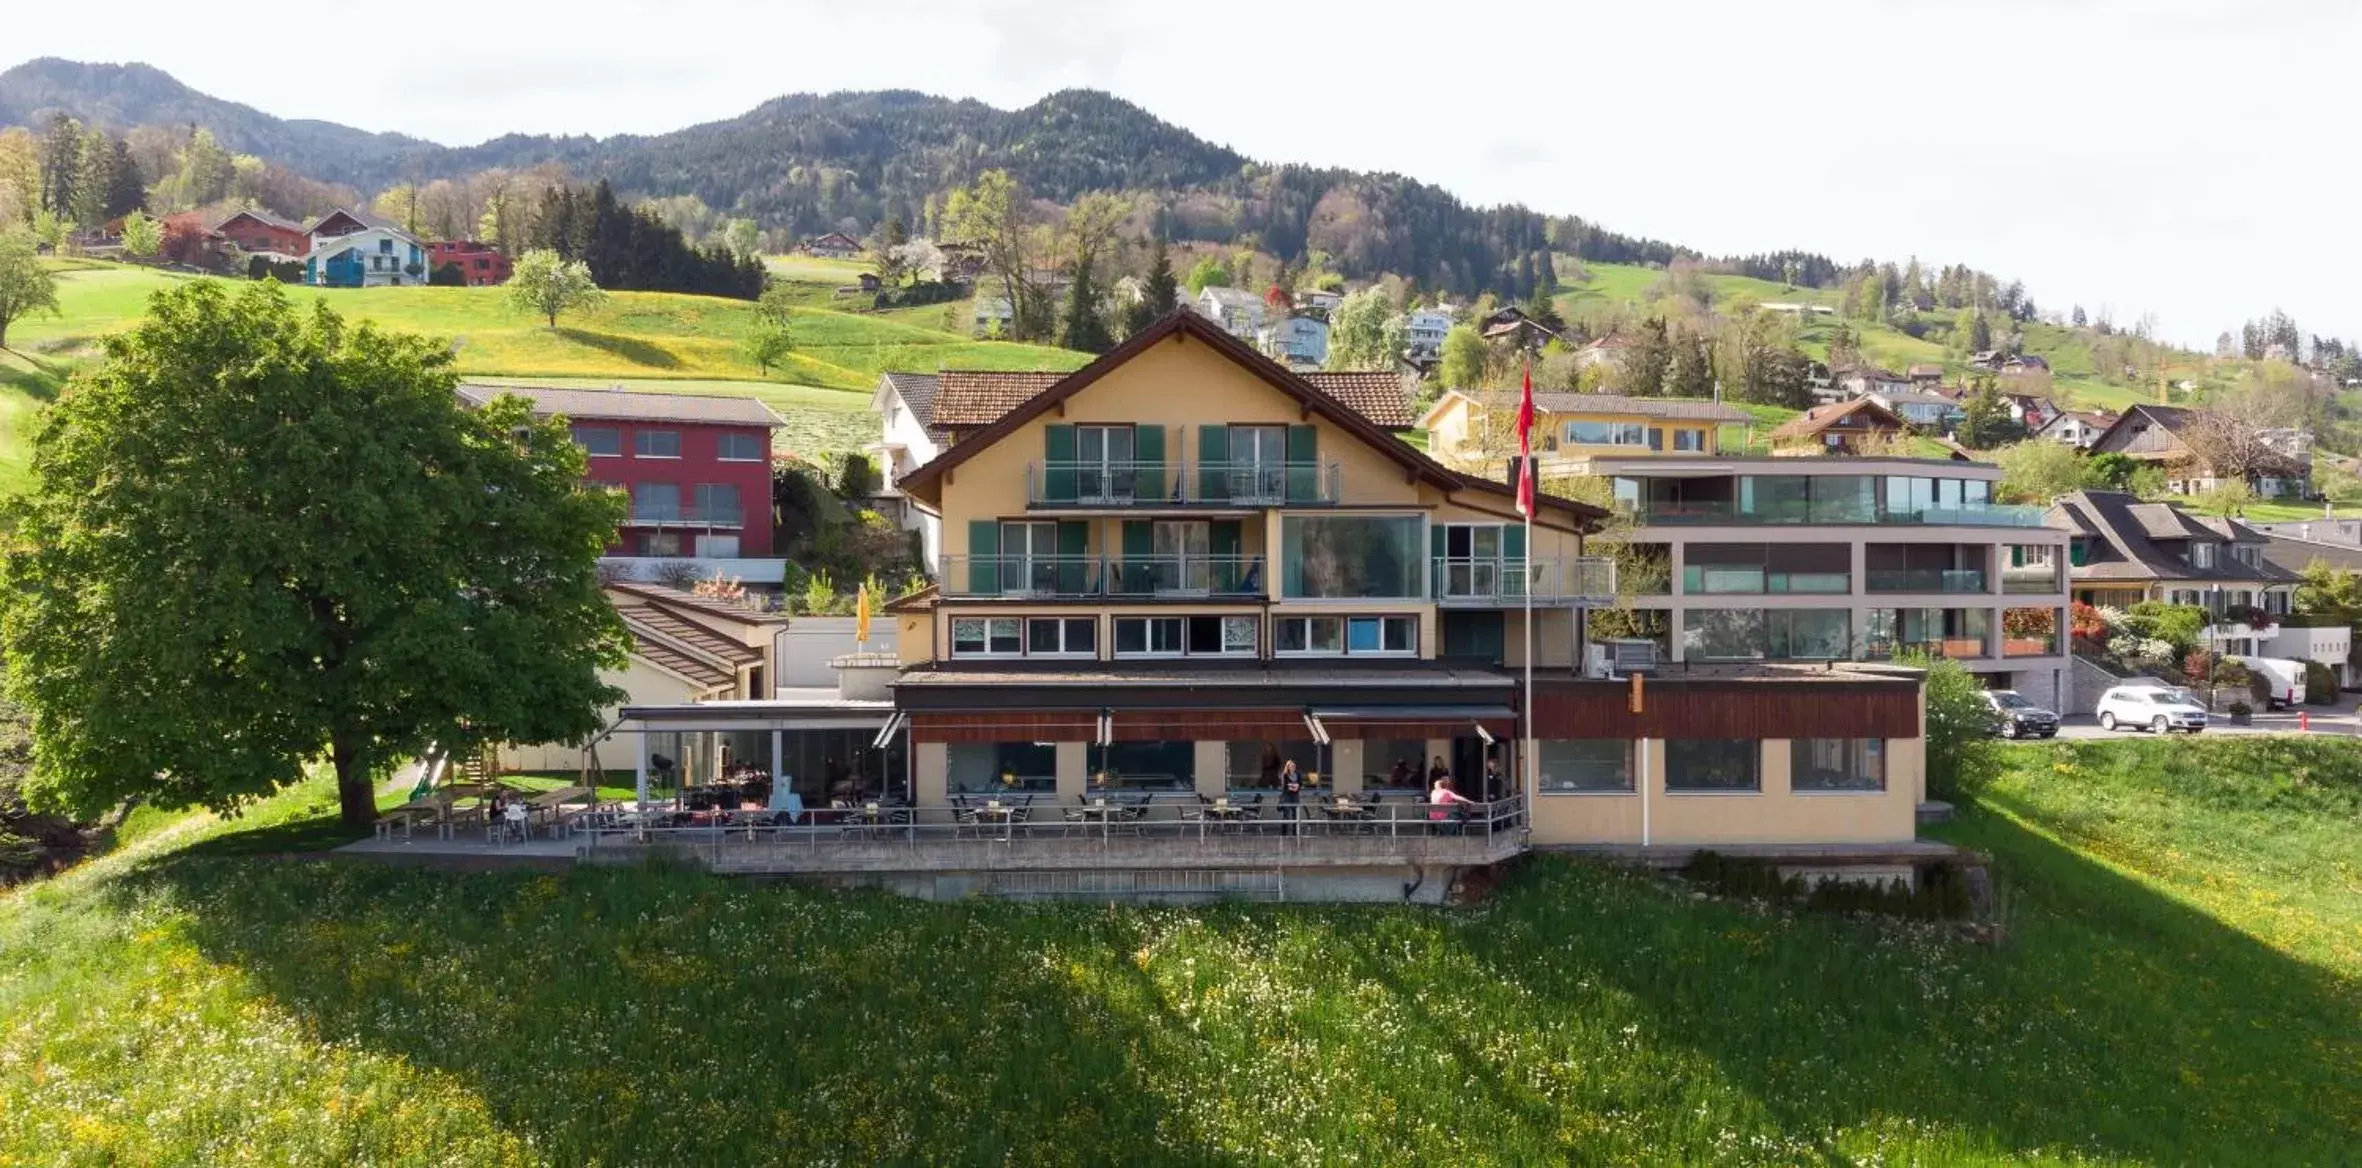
(1441,796)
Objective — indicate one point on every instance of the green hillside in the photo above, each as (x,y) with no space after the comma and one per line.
(687,343)
(1628,288)
(2178,984)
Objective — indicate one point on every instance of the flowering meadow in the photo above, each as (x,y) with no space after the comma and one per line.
(2180,983)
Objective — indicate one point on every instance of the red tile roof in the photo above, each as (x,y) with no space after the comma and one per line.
(966,399)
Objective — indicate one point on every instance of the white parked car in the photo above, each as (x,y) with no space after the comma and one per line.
(2151,707)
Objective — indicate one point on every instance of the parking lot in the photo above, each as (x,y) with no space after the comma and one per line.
(2339,719)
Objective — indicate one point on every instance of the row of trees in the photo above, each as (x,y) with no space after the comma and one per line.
(71,177)
(631,248)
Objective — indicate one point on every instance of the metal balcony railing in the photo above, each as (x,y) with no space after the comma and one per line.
(1076,483)
(1184,575)
(1835,513)
(1487,580)
(659,516)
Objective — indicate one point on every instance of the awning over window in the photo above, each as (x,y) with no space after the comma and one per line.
(1445,721)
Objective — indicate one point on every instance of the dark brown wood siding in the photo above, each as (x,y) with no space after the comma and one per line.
(1208,725)
(1728,710)
(1005,726)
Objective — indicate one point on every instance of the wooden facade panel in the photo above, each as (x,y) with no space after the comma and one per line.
(1208,725)
(1819,710)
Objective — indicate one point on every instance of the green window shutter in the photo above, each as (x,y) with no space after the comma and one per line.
(1656,437)
(1435,539)
(1139,539)
(1074,544)
(1058,464)
(1512,541)
(984,549)
(1148,449)
(1225,542)
(1213,452)
(1303,464)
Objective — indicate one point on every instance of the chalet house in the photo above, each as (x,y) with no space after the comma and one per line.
(354,249)
(1238,311)
(2163,436)
(697,469)
(836,245)
(1298,342)
(479,264)
(1851,427)
(2025,363)
(1320,302)
(1925,375)
(1511,326)
(1604,351)
(258,232)
(924,414)
(1863,380)
(1424,334)
(2076,428)
(2122,551)
(1474,430)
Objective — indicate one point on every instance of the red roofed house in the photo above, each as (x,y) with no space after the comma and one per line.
(262,233)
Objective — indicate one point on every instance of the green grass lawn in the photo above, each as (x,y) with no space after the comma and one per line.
(2264,512)
(2179,984)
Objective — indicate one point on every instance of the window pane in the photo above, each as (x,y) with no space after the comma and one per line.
(1394,764)
(967,635)
(1288,635)
(1327,634)
(991,768)
(1041,636)
(741,448)
(1352,556)
(1712,764)
(1004,635)
(1082,635)
(1256,762)
(1837,764)
(599,439)
(656,502)
(1600,764)
(1154,766)
(1238,634)
(1362,634)
(1399,631)
(657,443)
(1131,635)
(1205,634)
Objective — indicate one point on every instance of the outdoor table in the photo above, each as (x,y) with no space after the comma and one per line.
(408,814)
(996,812)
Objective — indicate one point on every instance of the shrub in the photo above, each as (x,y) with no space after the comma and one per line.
(2240,709)
(448,276)
(1960,750)
(678,574)
(1941,892)
(857,479)
(2320,684)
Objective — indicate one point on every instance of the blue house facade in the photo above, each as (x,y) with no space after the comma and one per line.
(353,250)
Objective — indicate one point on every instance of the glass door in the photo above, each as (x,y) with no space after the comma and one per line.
(1029,558)
(1104,470)
(1472,560)
(1259,464)
(1180,550)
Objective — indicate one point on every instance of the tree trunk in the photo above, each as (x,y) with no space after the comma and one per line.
(356,796)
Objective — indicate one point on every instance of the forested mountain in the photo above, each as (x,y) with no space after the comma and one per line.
(808,163)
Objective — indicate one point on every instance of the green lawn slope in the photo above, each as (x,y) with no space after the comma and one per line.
(690,344)
(2178,985)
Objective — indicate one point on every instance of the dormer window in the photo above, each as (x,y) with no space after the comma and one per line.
(2201,555)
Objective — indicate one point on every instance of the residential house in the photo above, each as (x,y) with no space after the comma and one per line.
(1925,376)
(2025,363)
(1238,311)
(1756,557)
(479,263)
(1864,380)
(2076,428)
(2296,547)
(1849,427)
(1298,342)
(1270,577)
(1511,326)
(354,249)
(1319,301)
(2170,437)
(258,232)
(697,469)
(1474,429)
(905,405)
(836,245)
(1928,411)
(1425,330)
(1605,351)
(2124,551)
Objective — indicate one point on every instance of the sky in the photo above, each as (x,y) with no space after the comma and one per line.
(2195,161)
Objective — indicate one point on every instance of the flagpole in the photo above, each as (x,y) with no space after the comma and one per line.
(1528,486)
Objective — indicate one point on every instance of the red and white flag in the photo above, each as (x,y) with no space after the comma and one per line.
(1525,447)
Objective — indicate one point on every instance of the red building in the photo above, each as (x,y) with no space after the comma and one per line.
(481,263)
(261,231)
(698,468)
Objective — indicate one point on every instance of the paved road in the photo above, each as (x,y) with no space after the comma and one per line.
(2339,719)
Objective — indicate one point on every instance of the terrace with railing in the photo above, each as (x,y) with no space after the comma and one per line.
(977,833)
(1459,581)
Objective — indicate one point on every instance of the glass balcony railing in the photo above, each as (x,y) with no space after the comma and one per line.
(657,515)
(1083,577)
(1482,580)
(1074,483)
(1739,580)
(1835,513)
(1926,579)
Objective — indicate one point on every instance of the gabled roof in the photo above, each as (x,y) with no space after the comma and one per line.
(1812,422)
(642,592)
(1231,297)
(362,220)
(260,216)
(627,406)
(1667,408)
(1183,324)
(833,239)
(1384,398)
(2129,533)
(966,398)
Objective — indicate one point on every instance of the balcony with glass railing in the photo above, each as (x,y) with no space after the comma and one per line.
(1725,512)
(661,515)
(1064,484)
(1926,579)
(1745,580)
(1479,581)
(1139,577)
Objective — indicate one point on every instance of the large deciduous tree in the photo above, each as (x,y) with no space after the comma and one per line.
(260,536)
(26,287)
